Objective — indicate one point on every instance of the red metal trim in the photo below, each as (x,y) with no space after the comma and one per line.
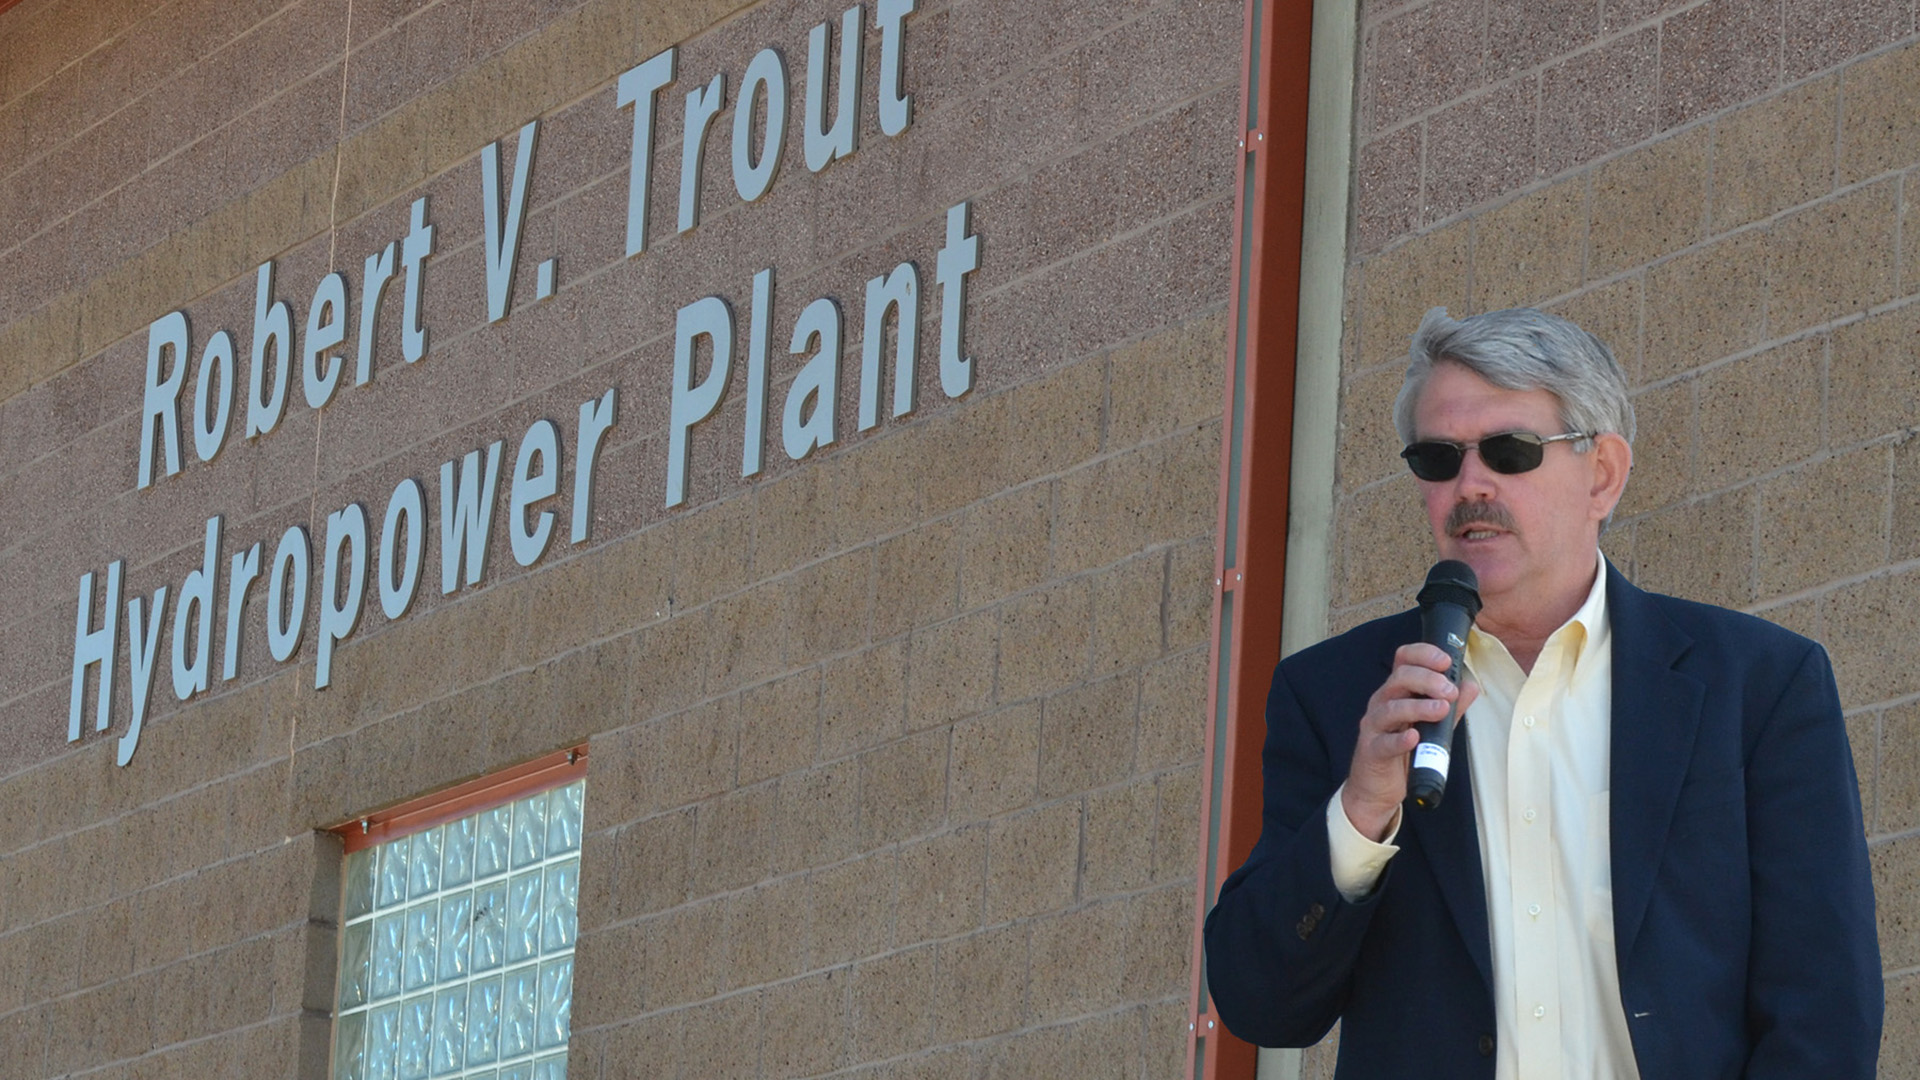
(1276,156)
(410,817)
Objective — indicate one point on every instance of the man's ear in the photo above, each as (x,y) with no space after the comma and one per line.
(1612,461)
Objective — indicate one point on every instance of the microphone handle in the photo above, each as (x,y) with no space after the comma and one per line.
(1444,625)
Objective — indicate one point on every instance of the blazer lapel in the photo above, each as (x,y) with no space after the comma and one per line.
(1452,846)
(1656,715)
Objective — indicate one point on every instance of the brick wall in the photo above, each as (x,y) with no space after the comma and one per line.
(1720,190)
(893,754)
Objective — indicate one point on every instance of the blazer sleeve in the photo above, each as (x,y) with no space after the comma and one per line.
(1814,989)
(1281,942)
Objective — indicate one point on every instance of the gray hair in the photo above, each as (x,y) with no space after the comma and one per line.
(1523,349)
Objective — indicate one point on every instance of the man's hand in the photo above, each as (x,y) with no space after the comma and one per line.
(1416,693)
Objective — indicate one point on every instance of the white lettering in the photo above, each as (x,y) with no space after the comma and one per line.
(640,88)
(960,257)
(899,291)
(703,104)
(818,380)
(595,418)
(466,516)
(503,236)
(94,647)
(378,273)
(195,606)
(160,407)
(896,108)
(329,296)
(211,414)
(752,178)
(407,508)
(707,317)
(756,421)
(413,255)
(287,615)
(143,648)
(346,532)
(824,144)
(272,326)
(541,443)
(241,573)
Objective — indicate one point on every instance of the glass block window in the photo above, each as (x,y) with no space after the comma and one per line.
(456,947)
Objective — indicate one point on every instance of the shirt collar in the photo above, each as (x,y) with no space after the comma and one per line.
(1578,639)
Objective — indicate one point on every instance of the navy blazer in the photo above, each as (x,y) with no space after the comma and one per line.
(1742,899)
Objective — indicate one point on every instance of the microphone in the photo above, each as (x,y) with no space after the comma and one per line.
(1448,604)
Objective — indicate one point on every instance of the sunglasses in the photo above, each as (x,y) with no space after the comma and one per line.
(1510,452)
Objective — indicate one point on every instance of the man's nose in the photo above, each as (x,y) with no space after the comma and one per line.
(1475,481)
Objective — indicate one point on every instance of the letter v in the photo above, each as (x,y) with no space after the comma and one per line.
(503,237)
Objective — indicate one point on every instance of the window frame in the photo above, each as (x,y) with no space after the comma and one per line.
(396,824)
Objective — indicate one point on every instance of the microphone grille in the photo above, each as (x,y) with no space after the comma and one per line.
(1452,582)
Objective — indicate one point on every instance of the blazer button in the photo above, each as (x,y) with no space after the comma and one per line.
(1486,1046)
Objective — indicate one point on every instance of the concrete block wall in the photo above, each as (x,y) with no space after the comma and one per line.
(894,753)
(1722,191)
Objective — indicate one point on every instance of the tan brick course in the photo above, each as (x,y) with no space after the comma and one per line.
(1119,839)
(1874,378)
(1045,639)
(851,906)
(1664,448)
(1834,258)
(995,763)
(1399,286)
(893,1002)
(1648,203)
(1823,521)
(1531,248)
(1775,154)
(863,698)
(903,788)
(1706,304)
(1876,133)
(1783,385)
(805,1026)
(1369,446)
(1033,862)
(1906,500)
(1166,382)
(942,885)
(1003,545)
(980,988)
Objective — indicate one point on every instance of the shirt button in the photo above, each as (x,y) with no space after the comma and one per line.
(1539,1012)
(1528,816)
(1528,721)
(1533,910)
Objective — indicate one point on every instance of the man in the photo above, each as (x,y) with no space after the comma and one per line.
(1652,863)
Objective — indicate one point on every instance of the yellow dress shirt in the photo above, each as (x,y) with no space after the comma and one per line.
(1540,757)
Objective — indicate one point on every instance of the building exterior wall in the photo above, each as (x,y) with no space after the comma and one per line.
(1719,191)
(893,753)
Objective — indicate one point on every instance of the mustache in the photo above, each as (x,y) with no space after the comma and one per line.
(1479,513)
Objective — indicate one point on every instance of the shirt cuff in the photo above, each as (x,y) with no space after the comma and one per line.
(1358,861)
